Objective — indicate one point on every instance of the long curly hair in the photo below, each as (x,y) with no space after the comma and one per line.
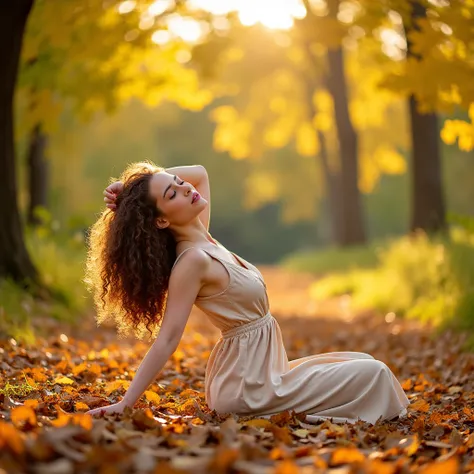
(129,258)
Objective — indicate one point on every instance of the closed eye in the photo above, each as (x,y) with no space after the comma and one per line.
(182,182)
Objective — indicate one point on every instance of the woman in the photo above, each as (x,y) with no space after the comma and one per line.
(151,257)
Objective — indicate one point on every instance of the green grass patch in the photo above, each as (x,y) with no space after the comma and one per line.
(59,257)
(429,279)
(327,260)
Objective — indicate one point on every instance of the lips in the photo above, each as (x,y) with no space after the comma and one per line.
(196,196)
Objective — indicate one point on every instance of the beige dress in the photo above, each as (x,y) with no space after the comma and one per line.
(248,371)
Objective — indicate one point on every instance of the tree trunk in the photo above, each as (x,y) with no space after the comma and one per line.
(38,173)
(335,191)
(353,222)
(334,196)
(14,259)
(427,199)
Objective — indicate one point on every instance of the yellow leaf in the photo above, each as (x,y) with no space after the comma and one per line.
(63,380)
(115,385)
(301,433)
(258,423)
(152,396)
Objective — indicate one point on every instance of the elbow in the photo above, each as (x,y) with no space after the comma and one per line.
(169,344)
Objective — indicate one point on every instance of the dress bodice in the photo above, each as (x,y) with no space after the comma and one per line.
(244,299)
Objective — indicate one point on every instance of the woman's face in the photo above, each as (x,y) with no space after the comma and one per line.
(174,198)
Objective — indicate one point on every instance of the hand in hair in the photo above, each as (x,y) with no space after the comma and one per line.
(111,192)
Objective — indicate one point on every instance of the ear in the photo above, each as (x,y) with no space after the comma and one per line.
(162,223)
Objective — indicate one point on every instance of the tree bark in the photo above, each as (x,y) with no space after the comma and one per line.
(353,222)
(334,196)
(331,178)
(38,174)
(427,198)
(15,261)
(344,203)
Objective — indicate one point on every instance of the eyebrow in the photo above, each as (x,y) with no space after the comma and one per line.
(169,185)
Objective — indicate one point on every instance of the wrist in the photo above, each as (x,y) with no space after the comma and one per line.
(127,401)
(191,173)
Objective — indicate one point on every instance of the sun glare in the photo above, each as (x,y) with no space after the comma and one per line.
(275,14)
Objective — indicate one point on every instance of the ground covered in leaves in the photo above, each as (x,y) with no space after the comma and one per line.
(46,389)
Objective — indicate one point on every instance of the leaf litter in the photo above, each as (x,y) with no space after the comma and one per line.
(47,388)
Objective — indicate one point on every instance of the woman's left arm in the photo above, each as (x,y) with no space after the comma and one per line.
(198,177)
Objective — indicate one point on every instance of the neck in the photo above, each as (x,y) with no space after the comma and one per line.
(195,233)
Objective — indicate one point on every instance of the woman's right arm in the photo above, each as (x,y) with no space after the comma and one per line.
(185,282)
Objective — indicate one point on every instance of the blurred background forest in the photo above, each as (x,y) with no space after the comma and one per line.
(338,137)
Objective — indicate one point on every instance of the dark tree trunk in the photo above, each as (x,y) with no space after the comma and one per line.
(14,259)
(344,229)
(331,178)
(353,222)
(427,199)
(38,174)
(334,196)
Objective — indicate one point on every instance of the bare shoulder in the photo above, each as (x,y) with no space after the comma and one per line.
(194,261)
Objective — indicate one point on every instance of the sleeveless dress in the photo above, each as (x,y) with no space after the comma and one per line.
(248,372)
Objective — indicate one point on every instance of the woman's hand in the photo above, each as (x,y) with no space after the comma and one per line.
(115,408)
(111,193)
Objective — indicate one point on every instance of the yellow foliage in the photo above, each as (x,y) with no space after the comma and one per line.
(307,143)
(233,54)
(260,188)
(461,131)
(389,161)
(382,160)
(324,106)
(225,113)
(278,104)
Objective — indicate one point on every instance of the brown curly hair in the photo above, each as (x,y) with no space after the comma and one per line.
(129,258)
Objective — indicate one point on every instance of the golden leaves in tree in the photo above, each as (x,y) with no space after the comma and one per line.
(461,131)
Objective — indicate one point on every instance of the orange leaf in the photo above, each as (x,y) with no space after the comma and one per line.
(38,374)
(11,437)
(22,415)
(81,406)
(347,455)
(407,384)
(420,405)
(31,403)
(287,467)
(449,466)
